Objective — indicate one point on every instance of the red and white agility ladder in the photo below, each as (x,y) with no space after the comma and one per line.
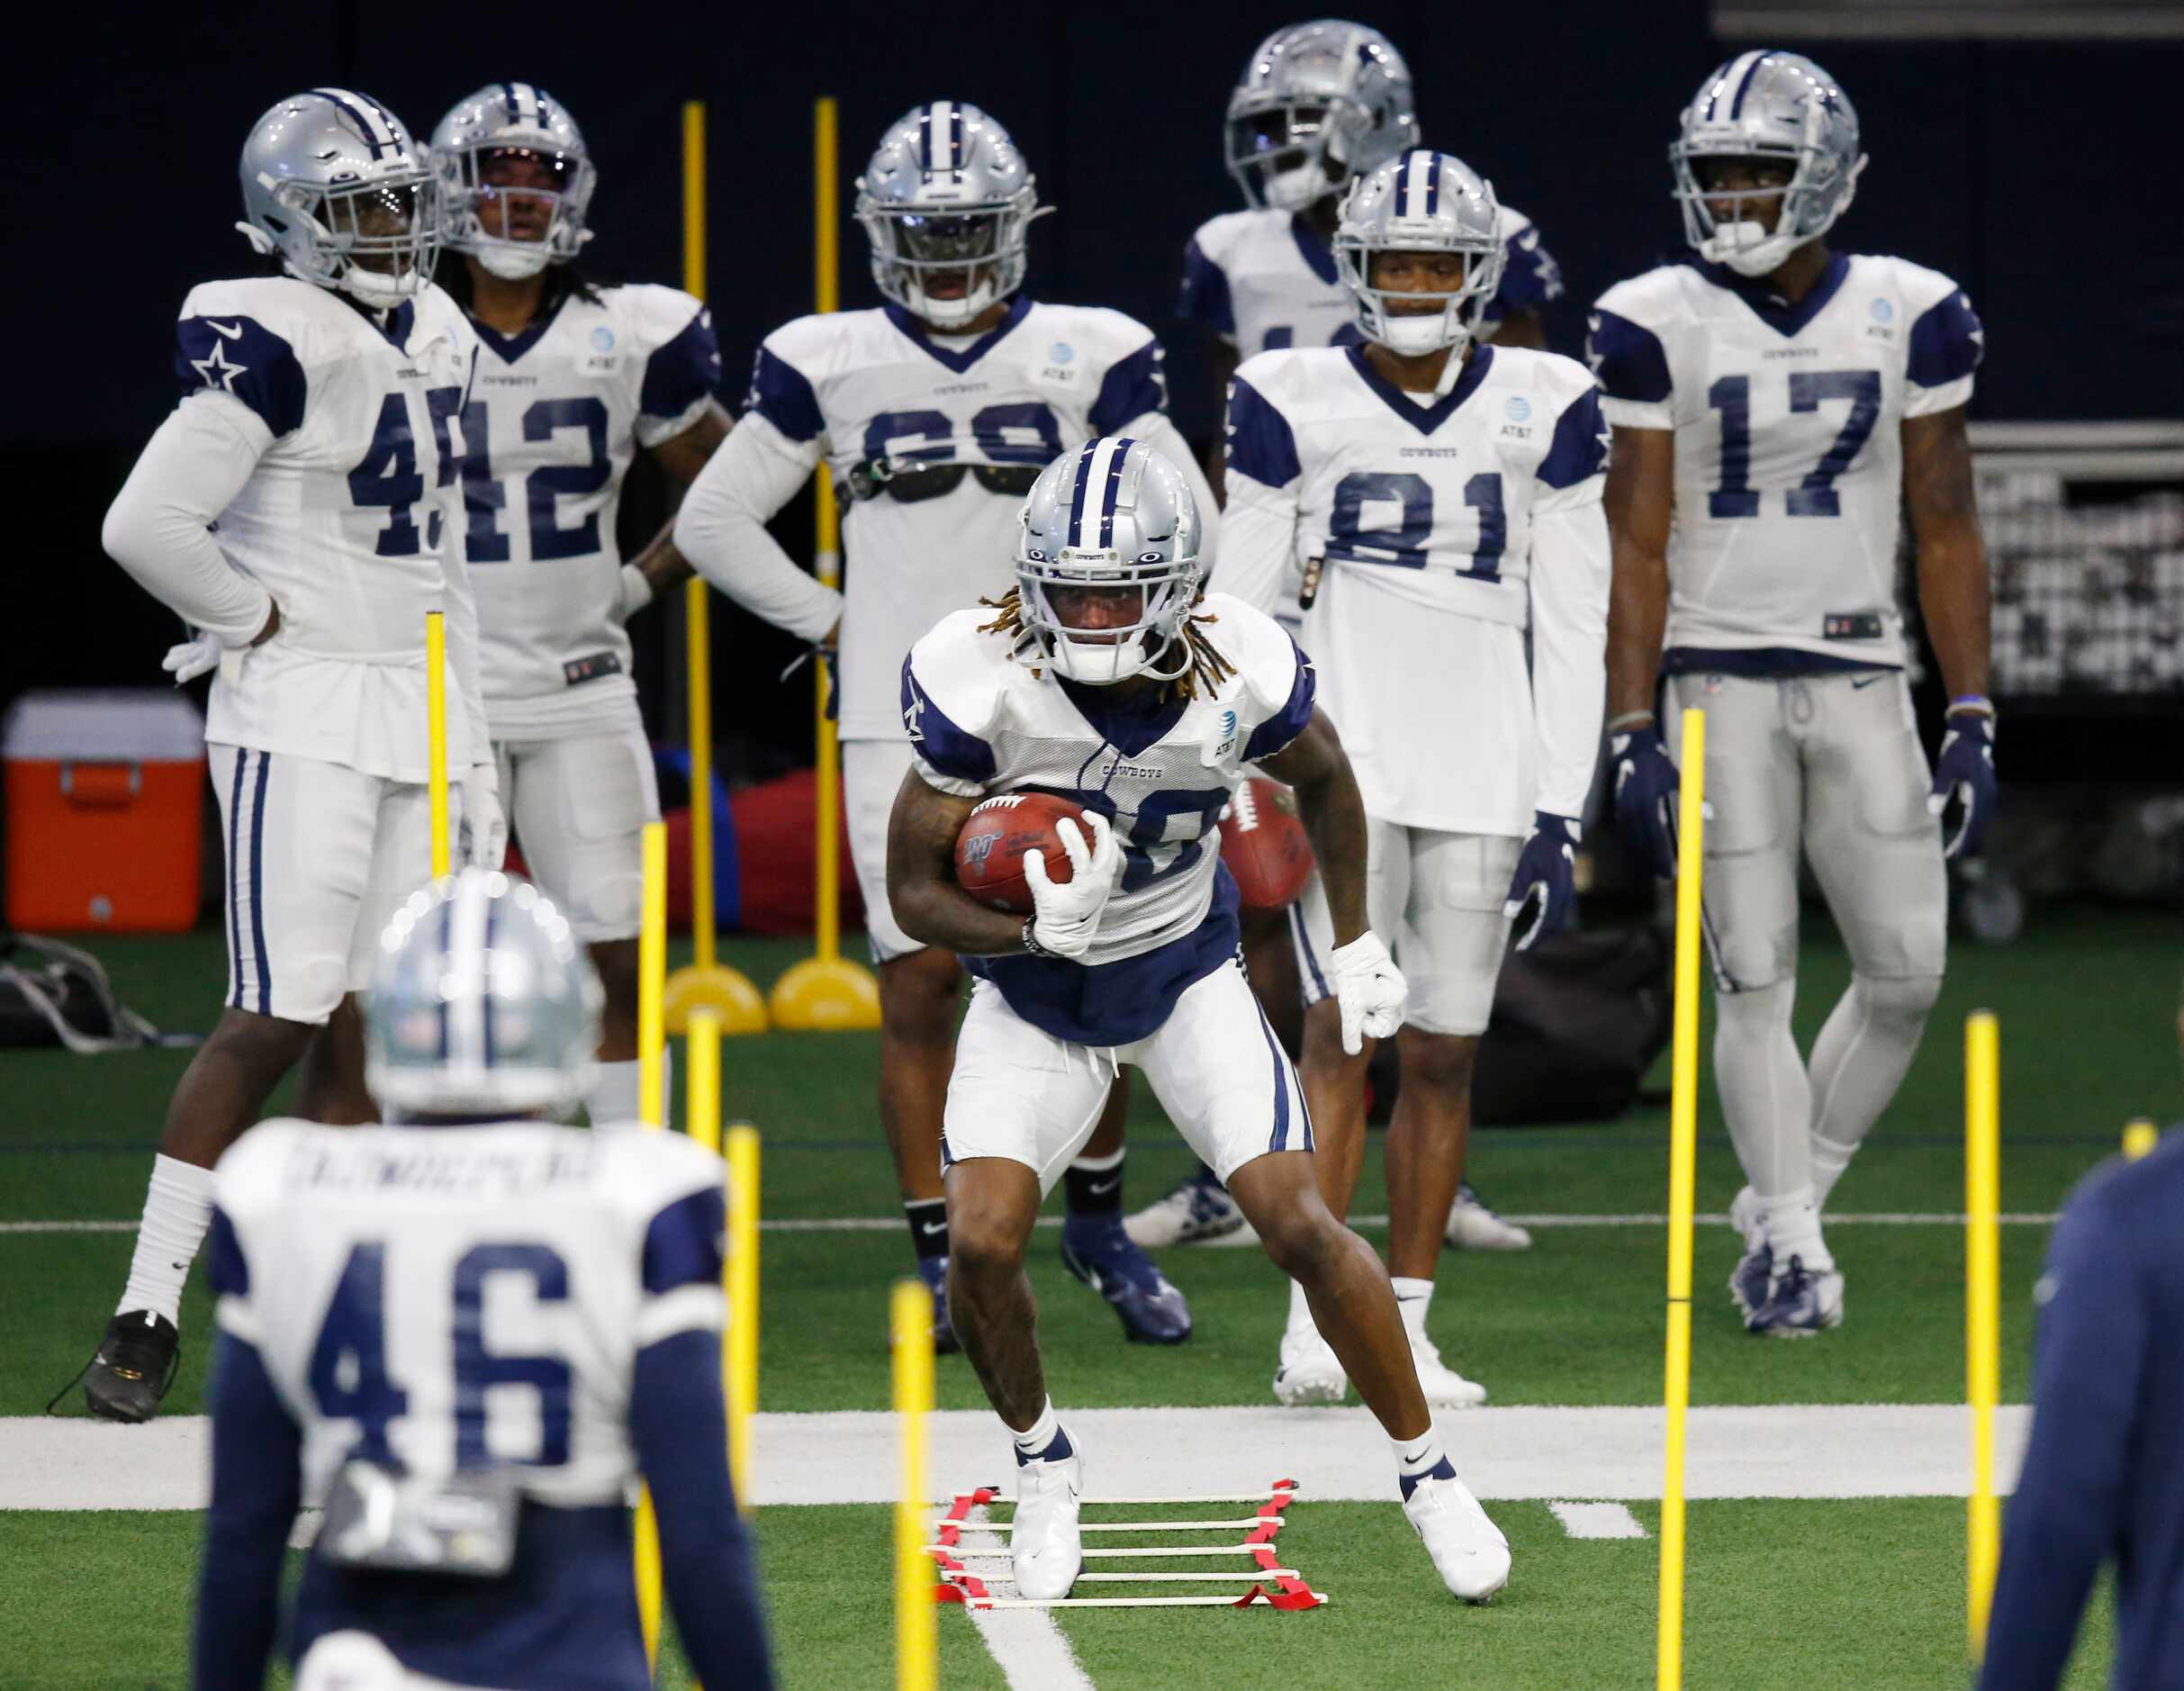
(1275,1587)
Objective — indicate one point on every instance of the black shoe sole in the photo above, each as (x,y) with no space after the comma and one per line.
(128,1403)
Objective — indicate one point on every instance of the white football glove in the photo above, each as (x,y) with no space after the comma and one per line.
(1369,990)
(193,659)
(1066,915)
(485,833)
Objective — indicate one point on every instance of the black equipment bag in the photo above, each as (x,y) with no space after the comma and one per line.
(52,994)
(1577,1021)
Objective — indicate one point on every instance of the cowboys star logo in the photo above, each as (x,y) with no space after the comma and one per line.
(217,372)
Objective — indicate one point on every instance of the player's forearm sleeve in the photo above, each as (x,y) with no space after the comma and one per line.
(1157,431)
(678,1424)
(1258,540)
(255,1451)
(1570,570)
(721,527)
(158,527)
(2064,1519)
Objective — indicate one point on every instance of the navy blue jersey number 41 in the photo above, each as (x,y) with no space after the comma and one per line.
(1816,495)
(350,1381)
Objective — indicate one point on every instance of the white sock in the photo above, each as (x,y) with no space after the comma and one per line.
(1859,1060)
(1793,1229)
(1417,1459)
(177,1209)
(612,1101)
(1300,1311)
(1413,1298)
(1765,1097)
(1829,1161)
(1038,1439)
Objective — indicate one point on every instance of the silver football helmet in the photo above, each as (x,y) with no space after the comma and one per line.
(1108,563)
(1421,201)
(512,117)
(1784,108)
(482,1003)
(1319,103)
(334,185)
(946,203)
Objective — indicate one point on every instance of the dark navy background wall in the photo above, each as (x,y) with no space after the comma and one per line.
(2031,173)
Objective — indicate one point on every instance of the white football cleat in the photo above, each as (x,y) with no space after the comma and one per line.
(1196,1210)
(1444,1388)
(1469,1551)
(1046,1548)
(1310,1372)
(1473,1227)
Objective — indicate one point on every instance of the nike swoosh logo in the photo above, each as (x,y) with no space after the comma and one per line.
(1101,1189)
(235,333)
(926,1229)
(1867,682)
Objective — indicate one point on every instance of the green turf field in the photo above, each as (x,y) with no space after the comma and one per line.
(1781,1592)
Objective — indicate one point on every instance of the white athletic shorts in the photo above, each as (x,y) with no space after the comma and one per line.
(1215,1064)
(1436,899)
(1831,763)
(871,775)
(319,857)
(578,808)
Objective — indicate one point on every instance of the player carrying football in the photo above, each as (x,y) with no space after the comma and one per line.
(463,1338)
(935,414)
(299,508)
(573,380)
(1773,403)
(1441,499)
(1105,678)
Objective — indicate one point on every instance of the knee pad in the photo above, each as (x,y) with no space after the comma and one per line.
(1754,1012)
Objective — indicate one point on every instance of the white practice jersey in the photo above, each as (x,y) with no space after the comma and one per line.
(982,722)
(1789,452)
(343,519)
(859,387)
(1436,524)
(555,418)
(1264,279)
(443,1298)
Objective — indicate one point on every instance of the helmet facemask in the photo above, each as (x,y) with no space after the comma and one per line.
(1099,623)
(485,187)
(1284,153)
(1439,212)
(375,241)
(946,264)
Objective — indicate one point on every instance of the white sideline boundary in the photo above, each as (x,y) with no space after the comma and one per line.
(1551,1454)
(893,1223)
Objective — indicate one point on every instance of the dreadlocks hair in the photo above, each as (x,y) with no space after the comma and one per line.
(1208,665)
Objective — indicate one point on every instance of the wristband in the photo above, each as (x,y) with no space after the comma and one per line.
(1629,719)
(1031,939)
(1978,701)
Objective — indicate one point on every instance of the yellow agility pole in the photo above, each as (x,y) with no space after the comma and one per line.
(917,1657)
(1683,1158)
(436,737)
(2140,1136)
(1982,1310)
(826,991)
(706,982)
(742,1378)
(652,1111)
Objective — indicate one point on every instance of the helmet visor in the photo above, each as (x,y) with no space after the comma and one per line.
(1278,152)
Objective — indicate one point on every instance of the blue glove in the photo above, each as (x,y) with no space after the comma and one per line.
(1548,871)
(1964,773)
(1646,786)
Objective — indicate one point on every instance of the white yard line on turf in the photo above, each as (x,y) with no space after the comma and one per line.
(851,1456)
(1029,1648)
(893,1223)
(1598,1520)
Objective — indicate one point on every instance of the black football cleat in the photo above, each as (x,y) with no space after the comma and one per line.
(135,1366)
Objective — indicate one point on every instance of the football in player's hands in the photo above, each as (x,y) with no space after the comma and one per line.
(1264,844)
(989,851)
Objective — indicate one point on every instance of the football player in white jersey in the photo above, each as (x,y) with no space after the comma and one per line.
(463,1338)
(1773,403)
(573,381)
(1319,106)
(299,509)
(1105,678)
(1441,499)
(934,412)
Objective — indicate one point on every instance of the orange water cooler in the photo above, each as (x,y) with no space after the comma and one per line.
(105,804)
